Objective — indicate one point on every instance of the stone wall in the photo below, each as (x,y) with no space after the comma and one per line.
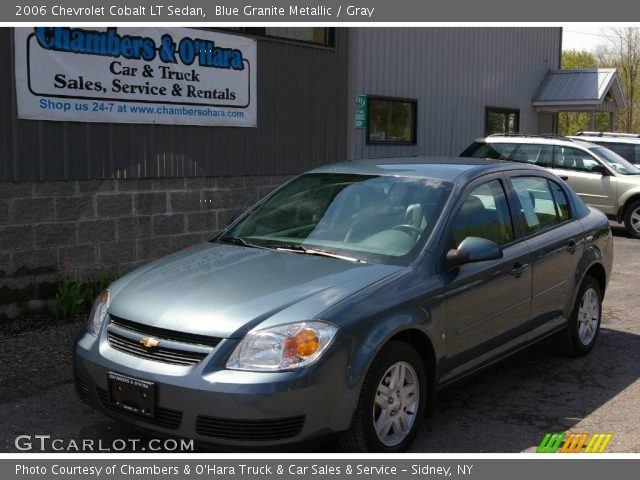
(83,229)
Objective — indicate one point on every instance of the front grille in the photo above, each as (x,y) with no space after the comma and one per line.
(163,417)
(82,389)
(159,354)
(227,429)
(148,330)
(176,348)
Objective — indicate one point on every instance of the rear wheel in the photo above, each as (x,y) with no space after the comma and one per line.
(584,325)
(392,402)
(632,219)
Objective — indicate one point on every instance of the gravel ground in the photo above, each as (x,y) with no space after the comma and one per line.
(505,409)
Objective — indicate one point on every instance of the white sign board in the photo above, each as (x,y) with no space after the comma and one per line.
(136,75)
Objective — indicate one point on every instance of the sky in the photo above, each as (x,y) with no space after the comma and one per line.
(584,36)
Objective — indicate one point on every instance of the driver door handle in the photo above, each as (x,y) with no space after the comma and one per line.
(572,246)
(518,269)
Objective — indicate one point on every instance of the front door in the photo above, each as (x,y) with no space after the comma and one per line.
(595,189)
(487,302)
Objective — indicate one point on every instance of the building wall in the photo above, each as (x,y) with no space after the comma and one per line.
(454,74)
(302,95)
(84,229)
(80,200)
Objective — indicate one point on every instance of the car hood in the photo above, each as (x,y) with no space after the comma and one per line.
(226,290)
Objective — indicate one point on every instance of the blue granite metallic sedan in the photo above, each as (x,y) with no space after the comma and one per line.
(342,302)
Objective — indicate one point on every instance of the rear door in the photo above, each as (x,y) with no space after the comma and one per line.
(487,302)
(547,223)
(575,166)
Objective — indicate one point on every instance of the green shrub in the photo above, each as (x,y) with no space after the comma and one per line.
(74,299)
(71,299)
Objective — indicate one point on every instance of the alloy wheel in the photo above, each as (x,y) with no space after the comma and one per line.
(588,316)
(635,220)
(396,403)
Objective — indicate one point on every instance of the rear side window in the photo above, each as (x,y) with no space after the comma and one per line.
(495,151)
(537,154)
(484,214)
(542,203)
(569,158)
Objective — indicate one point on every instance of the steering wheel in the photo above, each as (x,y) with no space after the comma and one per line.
(405,227)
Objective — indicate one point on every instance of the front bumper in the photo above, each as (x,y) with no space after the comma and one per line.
(211,404)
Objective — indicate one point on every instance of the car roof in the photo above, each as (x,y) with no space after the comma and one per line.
(538,140)
(606,139)
(440,168)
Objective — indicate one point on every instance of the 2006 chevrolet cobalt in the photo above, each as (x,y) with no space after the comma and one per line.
(343,301)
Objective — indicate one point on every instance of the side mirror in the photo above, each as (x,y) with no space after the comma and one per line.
(601,169)
(473,249)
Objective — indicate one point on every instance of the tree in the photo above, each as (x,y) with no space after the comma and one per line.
(623,52)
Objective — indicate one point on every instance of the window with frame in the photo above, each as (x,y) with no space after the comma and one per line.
(392,121)
(312,35)
(484,214)
(542,203)
(569,158)
(627,151)
(537,154)
(501,120)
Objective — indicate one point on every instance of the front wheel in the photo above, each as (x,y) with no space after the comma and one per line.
(632,219)
(584,324)
(392,402)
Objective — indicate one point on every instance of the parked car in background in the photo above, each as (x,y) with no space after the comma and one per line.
(345,300)
(600,177)
(627,145)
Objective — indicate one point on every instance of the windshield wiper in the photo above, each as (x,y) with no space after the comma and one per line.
(239,241)
(316,251)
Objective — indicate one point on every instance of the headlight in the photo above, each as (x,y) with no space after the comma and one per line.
(283,347)
(98,313)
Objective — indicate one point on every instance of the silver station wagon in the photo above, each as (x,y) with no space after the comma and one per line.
(341,304)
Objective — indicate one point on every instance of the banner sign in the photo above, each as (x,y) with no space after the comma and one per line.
(136,75)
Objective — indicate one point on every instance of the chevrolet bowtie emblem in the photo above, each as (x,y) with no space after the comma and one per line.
(149,342)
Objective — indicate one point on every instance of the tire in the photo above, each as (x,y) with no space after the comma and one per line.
(584,325)
(407,409)
(632,219)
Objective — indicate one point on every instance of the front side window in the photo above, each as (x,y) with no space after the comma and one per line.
(568,158)
(625,150)
(392,121)
(501,120)
(379,219)
(542,203)
(484,214)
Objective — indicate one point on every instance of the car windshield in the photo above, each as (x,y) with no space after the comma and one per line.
(615,161)
(373,219)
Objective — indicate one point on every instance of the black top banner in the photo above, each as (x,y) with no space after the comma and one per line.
(318,11)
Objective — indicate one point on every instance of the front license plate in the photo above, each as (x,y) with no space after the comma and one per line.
(131,394)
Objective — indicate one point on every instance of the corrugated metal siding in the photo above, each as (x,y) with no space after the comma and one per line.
(573,85)
(302,99)
(454,73)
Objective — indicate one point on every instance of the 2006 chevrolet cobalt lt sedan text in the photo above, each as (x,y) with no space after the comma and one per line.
(343,301)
